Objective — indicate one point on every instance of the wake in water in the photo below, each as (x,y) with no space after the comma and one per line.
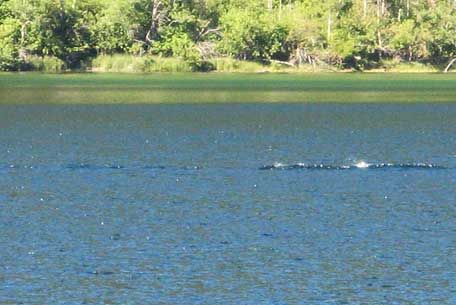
(358,165)
(96,167)
(81,166)
(362,165)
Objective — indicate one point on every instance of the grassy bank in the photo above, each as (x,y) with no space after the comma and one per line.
(96,88)
(122,63)
(155,64)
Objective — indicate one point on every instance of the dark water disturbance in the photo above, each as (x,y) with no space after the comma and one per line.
(228,204)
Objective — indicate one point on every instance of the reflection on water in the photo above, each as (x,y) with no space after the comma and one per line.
(166,204)
(225,88)
(158,96)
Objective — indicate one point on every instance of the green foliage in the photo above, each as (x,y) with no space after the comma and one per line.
(9,59)
(354,34)
(250,33)
(46,64)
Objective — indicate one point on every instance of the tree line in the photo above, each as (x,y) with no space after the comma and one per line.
(357,34)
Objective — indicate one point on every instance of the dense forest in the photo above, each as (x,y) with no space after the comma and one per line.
(344,34)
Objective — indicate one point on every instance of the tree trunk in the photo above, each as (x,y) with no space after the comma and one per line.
(329,27)
(449,65)
(155,16)
(380,44)
(280,9)
(378,9)
(22,51)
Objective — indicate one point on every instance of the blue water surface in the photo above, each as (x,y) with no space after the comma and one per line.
(228,204)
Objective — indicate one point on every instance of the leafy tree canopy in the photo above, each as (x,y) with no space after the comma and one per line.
(347,33)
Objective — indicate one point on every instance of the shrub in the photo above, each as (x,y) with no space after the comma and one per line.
(46,64)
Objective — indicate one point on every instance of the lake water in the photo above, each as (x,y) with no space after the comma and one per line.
(228,204)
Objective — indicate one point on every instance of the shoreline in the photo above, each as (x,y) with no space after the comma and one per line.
(278,72)
(285,72)
(122,63)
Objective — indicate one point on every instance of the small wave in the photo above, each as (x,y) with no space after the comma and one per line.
(195,167)
(85,166)
(79,166)
(15,166)
(161,167)
(358,165)
(407,166)
(154,167)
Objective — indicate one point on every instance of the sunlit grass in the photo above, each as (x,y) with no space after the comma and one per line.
(136,64)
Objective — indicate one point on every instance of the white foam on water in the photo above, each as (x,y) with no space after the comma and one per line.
(362,164)
(356,165)
(278,165)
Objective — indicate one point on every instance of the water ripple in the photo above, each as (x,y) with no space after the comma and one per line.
(80,166)
(354,166)
(276,166)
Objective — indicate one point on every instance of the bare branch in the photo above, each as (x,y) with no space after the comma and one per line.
(449,65)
